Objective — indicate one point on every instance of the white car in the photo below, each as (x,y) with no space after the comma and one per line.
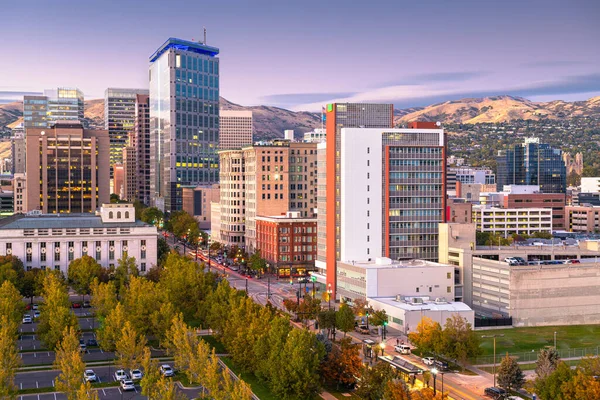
(402,349)
(27,319)
(120,375)
(127,384)
(90,376)
(35,306)
(166,370)
(136,374)
(428,360)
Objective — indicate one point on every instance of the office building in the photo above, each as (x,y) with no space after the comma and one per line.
(550,201)
(459,211)
(583,218)
(129,190)
(118,180)
(17,146)
(231,228)
(119,119)
(52,241)
(532,163)
(512,221)
(20,196)
(592,199)
(338,116)
(184,119)
(315,136)
(136,155)
(197,201)
(469,175)
(288,243)
(61,104)
(67,168)
(235,129)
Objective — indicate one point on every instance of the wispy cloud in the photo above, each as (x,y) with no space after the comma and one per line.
(461,76)
(555,63)
(291,99)
(7,96)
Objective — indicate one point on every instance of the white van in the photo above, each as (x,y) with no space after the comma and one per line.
(402,349)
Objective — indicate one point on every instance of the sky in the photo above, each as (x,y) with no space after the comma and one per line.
(303,54)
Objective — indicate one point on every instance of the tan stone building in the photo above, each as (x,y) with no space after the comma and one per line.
(67,168)
(197,200)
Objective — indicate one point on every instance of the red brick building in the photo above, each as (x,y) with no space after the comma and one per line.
(288,243)
(554,201)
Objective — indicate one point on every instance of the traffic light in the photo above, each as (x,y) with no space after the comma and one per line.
(291,282)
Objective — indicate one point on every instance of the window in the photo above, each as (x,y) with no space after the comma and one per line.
(417,290)
(143,267)
(118,214)
(449,275)
(430,289)
(126,214)
(449,289)
(110,215)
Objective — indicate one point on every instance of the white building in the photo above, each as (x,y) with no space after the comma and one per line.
(54,240)
(235,129)
(484,176)
(317,135)
(590,185)
(508,221)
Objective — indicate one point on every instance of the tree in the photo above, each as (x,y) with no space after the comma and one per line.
(82,272)
(427,335)
(139,209)
(130,347)
(114,198)
(581,387)
(327,320)
(550,388)
(510,376)
(256,262)
(459,341)
(378,318)
(68,361)
(11,269)
(86,392)
(31,284)
(546,363)
(426,377)
(104,298)
(343,364)
(110,330)
(373,381)
(360,307)
(141,300)
(163,250)
(153,216)
(396,389)
(9,355)
(56,314)
(126,269)
(345,319)
(11,305)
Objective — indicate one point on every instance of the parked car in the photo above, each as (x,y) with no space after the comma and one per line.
(495,392)
(166,370)
(86,304)
(120,375)
(402,349)
(127,384)
(82,346)
(362,329)
(428,360)
(441,365)
(573,262)
(136,374)
(36,314)
(92,342)
(27,319)
(90,376)
(76,305)
(511,260)
(35,306)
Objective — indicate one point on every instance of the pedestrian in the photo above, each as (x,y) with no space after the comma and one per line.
(397,341)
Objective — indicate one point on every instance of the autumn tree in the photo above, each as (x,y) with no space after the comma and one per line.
(104,298)
(86,392)
(110,331)
(9,354)
(459,341)
(396,389)
(373,381)
(11,269)
(141,300)
(550,388)
(360,307)
(427,336)
(56,314)
(130,347)
(344,319)
(581,387)
(343,364)
(82,272)
(11,306)
(154,385)
(547,362)
(68,361)
(510,376)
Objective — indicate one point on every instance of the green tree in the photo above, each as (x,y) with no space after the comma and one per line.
(373,381)
(109,332)
(163,250)
(510,376)
(550,388)
(114,198)
(139,209)
(378,318)
(104,298)
(55,313)
(256,262)
(546,363)
(269,352)
(427,336)
(327,320)
(68,361)
(9,355)
(82,272)
(141,300)
(345,319)
(160,320)
(11,305)
(130,347)
(153,216)
(126,269)
(459,341)
(31,284)
(11,269)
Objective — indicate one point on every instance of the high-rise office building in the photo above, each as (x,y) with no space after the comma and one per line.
(338,116)
(532,163)
(136,155)
(61,104)
(184,119)
(119,118)
(235,129)
(67,168)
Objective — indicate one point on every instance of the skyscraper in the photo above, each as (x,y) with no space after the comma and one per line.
(235,129)
(184,119)
(67,168)
(136,155)
(119,119)
(343,115)
(532,163)
(61,104)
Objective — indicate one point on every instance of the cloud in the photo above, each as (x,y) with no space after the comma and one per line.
(437,77)
(403,96)
(7,96)
(555,63)
(291,99)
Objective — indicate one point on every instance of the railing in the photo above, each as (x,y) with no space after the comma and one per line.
(234,376)
(532,356)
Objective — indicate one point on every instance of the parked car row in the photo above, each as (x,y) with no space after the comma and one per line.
(521,261)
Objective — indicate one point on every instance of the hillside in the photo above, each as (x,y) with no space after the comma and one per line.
(500,109)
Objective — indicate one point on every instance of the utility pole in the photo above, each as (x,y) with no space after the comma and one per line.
(246,286)
(268,287)
(494,365)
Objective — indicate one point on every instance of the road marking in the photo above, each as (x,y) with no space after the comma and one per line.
(54,396)
(36,385)
(21,385)
(103,392)
(34,355)
(101,351)
(120,390)
(38,397)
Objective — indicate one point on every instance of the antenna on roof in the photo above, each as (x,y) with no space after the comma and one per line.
(204,35)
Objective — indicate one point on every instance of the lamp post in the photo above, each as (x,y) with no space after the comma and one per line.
(434,372)
(554,340)
(329,293)
(382,345)
(494,364)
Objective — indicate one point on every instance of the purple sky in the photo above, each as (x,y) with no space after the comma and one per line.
(301,54)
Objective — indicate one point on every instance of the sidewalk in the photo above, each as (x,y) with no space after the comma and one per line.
(327,396)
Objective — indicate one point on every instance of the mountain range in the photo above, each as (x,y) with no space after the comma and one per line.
(270,122)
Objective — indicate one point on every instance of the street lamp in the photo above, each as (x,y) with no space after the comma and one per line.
(434,371)
(494,365)
(382,345)
(329,293)
(554,340)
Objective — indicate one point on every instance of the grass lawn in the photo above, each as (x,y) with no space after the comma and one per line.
(213,342)
(530,366)
(520,340)
(258,388)
(338,394)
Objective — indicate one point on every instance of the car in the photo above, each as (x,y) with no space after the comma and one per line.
(36,314)
(27,319)
(402,349)
(90,376)
(121,375)
(82,346)
(127,384)
(86,304)
(428,360)
(28,307)
(495,392)
(511,260)
(92,342)
(166,370)
(35,306)
(136,374)
(362,329)
(303,280)
(76,305)
(573,262)
(441,365)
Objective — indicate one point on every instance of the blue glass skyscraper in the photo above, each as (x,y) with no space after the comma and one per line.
(532,163)
(184,119)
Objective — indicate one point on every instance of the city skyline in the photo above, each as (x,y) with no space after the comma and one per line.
(301,56)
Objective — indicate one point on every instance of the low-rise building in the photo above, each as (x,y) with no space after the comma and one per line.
(197,202)
(590,184)
(509,221)
(52,241)
(460,211)
(552,201)
(583,218)
(288,243)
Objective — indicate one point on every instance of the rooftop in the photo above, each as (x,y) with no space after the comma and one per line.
(56,221)
(452,306)
(383,263)
(184,45)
